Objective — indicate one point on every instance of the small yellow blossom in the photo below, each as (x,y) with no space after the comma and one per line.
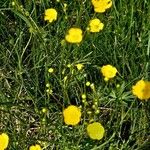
(4,140)
(44,110)
(13,3)
(142,89)
(83,100)
(94,106)
(96,103)
(50,70)
(65,5)
(69,65)
(118,86)
(79,66)
(83,96)
(100,6)
(95,131)
(36,147)
(95,25)
(88,83)
(50,15)
(74,35)
(47,85)
(108,72)
(72,115)
(49,91)
(97,111)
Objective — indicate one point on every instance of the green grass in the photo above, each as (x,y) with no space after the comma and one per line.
(25,58)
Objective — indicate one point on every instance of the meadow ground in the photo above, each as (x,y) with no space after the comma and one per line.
(41,74)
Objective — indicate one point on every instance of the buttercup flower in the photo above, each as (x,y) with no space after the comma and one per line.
(95,131)
(108,72)
(83,96)
(95,25)
(72,115)
(88,83)
(50,70)
(100,6)
(74,35)
(35,147)
(50,15)
(79,66)
(142,89)
(4,140)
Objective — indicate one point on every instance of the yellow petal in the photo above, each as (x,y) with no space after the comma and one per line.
(72,115)
(95,131)
(4,140)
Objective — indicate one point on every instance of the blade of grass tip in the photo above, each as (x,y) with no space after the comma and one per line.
(22,17)
(148,48)
(24,49)
(30,23)
(117,13)
(148,55)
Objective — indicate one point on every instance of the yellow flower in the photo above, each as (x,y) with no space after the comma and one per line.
(142,89)
(72,115)
(44,110)
(69,65)
(47,85)
(95,25)
(50,15)
(74,35)
(50,70)
(13,3)
(95,131)
(79,66)
(4,140)
(88,83)
(83,96)
(36,147)
(100,6)
(108,72)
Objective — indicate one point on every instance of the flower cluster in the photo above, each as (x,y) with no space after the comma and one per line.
(72,116)
(4,140)
(74,34)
